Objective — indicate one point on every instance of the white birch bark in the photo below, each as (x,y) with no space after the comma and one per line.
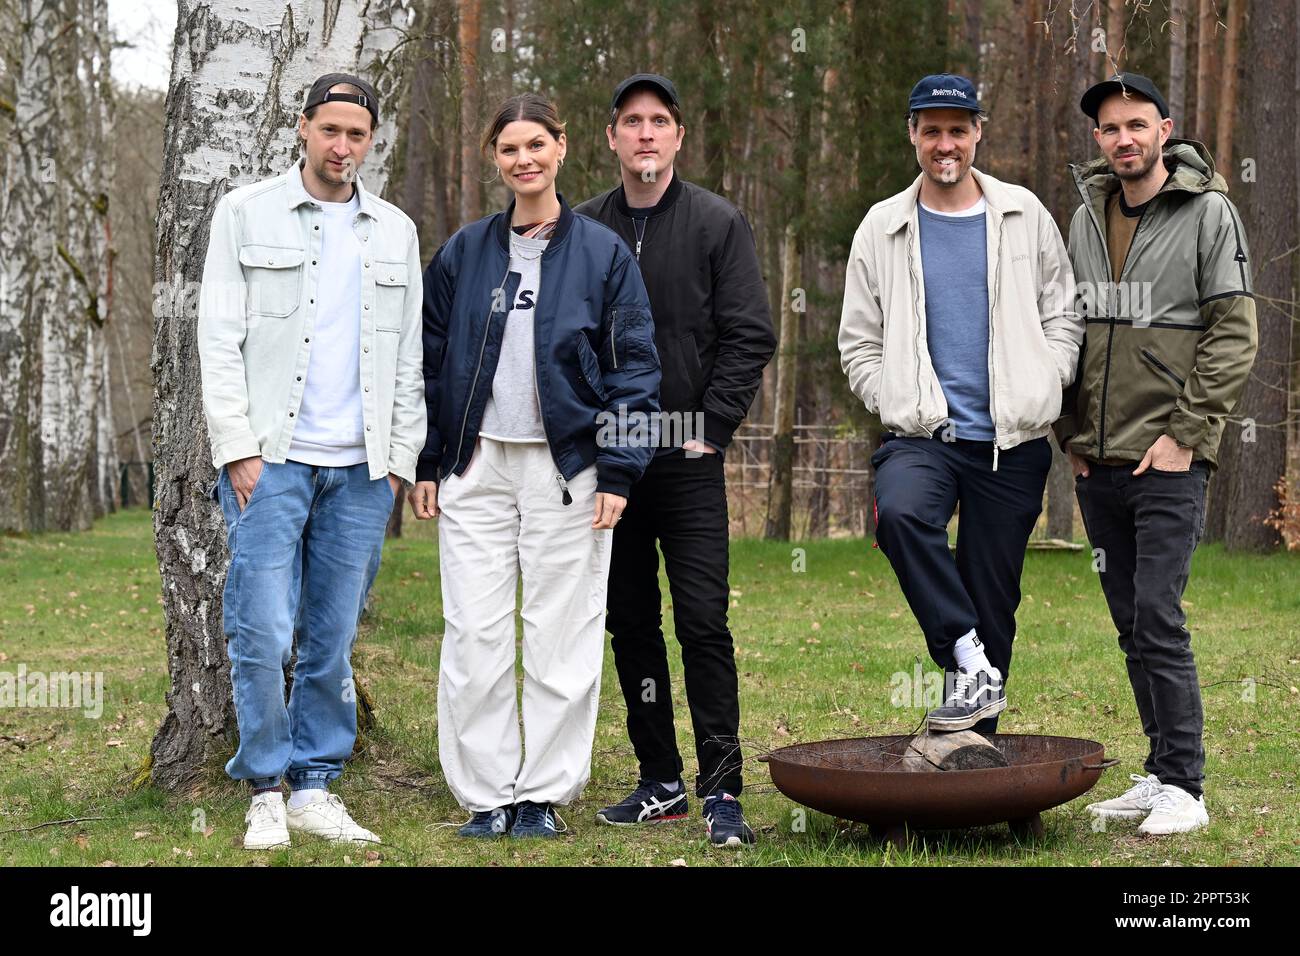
(240,72)
(53,268)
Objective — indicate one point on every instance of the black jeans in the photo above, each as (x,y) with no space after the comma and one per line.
(1143,530)
(920,482)
(682,502)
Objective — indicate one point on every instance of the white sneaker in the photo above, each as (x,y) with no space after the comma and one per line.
(266,823)
(1134,803)
(1176,811)
(328,818)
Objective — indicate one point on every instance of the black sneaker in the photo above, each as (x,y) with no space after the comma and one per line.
(975,695)
(651,802)
(726,822)
(489,823)
(534,820)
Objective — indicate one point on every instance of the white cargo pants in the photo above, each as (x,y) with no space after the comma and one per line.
(504,516)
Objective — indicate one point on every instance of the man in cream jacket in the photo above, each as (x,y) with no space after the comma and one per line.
(959,331)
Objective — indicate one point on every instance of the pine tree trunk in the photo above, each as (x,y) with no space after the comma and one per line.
(1116,37)
(1178,60)
(1070,143)
(1228,101)
(240,72)
(1255,459)
(471,191)
(1206,73)
(780,503)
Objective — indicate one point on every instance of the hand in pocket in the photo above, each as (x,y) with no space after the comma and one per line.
(244,475)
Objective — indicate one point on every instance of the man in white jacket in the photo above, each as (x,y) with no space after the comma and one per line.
(959,330)
(310,344)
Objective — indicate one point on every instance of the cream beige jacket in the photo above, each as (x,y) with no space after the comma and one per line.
(1034,330)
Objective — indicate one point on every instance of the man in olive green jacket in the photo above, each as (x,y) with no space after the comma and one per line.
(1163,283)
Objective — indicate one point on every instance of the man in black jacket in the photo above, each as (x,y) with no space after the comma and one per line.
(713,330)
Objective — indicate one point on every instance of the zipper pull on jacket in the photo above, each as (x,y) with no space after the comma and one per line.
(565,497)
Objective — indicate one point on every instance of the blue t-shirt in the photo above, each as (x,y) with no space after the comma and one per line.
(954,262)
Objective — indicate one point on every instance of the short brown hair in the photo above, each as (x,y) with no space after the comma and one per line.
(526,107)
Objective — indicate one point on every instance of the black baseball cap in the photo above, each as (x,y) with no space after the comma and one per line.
(320,93)
(1122,82)
(943,90)
(661,84)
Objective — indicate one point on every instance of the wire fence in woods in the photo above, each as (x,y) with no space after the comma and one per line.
(832,481)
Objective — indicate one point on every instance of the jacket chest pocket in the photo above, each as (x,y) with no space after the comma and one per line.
(274,276)
(390,294)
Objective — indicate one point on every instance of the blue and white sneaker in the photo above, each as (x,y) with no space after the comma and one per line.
(726,822)
(534,820)
(489,823)
(650,802)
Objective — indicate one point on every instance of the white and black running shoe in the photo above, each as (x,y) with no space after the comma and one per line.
(651,802)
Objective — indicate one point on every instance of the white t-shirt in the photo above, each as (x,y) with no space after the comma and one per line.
(331,430)
(512,413)
(976,210)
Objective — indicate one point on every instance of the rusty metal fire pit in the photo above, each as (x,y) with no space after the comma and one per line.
(862,779)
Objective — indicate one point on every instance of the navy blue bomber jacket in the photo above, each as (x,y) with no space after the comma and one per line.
(593,337)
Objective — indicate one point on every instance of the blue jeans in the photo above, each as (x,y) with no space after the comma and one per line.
(302,553)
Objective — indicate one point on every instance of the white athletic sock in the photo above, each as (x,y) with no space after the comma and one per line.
(670,787)
(969,650)
(300,798)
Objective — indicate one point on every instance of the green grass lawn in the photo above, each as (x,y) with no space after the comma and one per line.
(816,651)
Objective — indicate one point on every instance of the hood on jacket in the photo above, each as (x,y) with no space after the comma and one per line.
(1190,165)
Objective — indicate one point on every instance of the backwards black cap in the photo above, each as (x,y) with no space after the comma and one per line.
(320,93)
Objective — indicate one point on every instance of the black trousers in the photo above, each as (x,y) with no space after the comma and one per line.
(1143,531)
(681,502)
(920,482)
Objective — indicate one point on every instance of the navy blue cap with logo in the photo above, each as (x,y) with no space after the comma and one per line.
(944,90)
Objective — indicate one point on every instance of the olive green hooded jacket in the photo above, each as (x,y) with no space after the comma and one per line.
(1169,347)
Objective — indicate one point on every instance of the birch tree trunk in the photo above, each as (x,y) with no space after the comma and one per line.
(780,490)
(240,72)
(53,275)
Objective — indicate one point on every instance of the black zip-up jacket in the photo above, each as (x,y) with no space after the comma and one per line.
(712,323)
(593,338)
